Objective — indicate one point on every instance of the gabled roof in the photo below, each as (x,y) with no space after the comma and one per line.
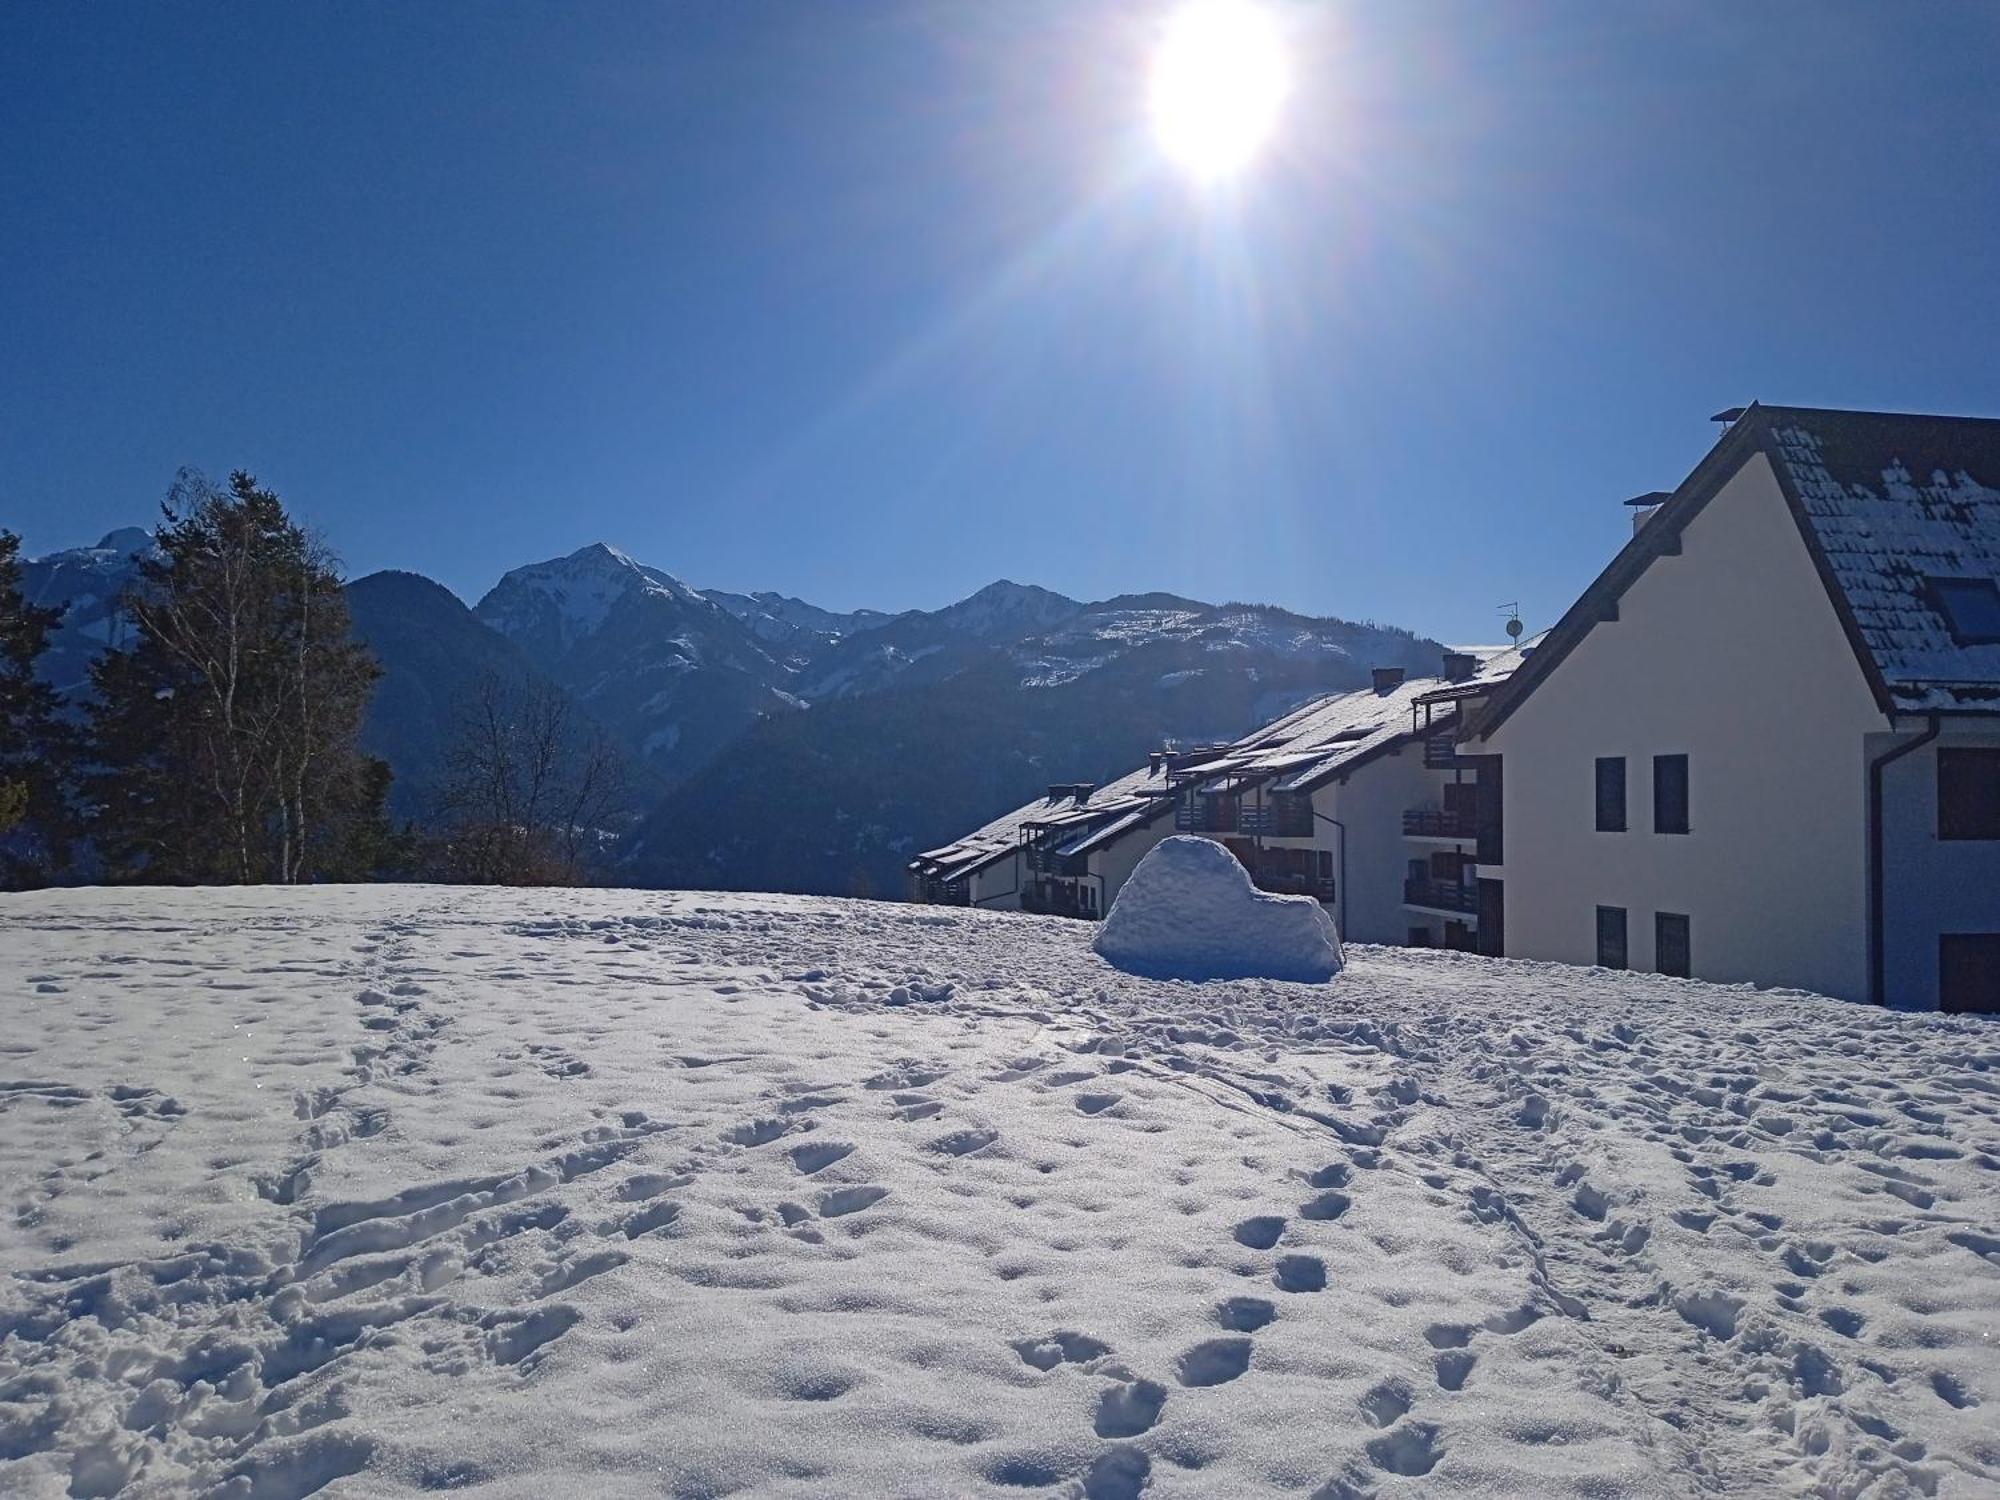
(1884,503)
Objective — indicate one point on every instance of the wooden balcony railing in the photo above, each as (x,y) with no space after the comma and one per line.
(1441,895)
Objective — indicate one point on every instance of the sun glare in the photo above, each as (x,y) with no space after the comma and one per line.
(1219,80)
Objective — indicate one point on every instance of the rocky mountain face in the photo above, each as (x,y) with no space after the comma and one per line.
(672,674)
(788,747)
(792,629)
(87,582)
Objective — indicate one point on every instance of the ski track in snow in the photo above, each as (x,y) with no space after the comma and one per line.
(377,1191)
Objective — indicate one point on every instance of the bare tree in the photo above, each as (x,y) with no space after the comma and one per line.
(530,788)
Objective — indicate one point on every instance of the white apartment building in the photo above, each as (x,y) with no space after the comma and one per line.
(1764,745)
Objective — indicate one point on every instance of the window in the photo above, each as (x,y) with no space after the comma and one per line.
(1610,794)
(1670,794)
(1968,793)
(1611,937)
(1971,608)
(1670,944)
(1969,971)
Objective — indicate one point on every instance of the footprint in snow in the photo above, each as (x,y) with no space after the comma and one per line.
(1453,1366)
(646,1220)
(755,1132)
(1950,1391)
(965,1142)
(1325,1206)
(1411,1450)
(817,1156)
(563,1276)
(1259,1233)
(1213,1362)
(1129,1407)
(837,1202)
(642,1185)
(1119,1473)
(1300,1273)
(1095,1104)
(1065,1346)
(1386,1404)
(1245,1314)
(1448,1335)
(512,1338)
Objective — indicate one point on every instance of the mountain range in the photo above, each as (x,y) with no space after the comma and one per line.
(773,744)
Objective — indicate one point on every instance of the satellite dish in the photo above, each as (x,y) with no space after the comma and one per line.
(1513,614)
(1514,629)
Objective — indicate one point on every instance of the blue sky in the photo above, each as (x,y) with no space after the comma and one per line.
(874,302)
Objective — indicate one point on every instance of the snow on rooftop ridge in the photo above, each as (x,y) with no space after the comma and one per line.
(1189,911)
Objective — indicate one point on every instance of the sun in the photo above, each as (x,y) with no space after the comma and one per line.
(1219,81)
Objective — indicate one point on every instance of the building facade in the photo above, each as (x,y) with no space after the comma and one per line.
(1764,746)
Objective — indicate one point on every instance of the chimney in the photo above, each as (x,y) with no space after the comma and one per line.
(1459,665)
(1082,790)
(1645,507)
(1387,679)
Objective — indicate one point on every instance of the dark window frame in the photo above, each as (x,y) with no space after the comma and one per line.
(1968,793)
(1964,960)
(1662,925)
(1614,950)
(1609,820)
(1664,810)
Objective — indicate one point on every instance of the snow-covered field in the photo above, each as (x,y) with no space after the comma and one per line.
(367,1192)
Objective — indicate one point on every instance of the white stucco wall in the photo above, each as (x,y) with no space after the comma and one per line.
(1730,653)
(1116,863)
(1930,885)
(998,886)
(1371,803)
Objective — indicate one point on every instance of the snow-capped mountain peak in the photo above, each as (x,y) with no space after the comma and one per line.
(571,597)
(1007,606)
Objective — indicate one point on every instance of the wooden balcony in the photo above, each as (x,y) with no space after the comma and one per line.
(1442,895)
(1437,823)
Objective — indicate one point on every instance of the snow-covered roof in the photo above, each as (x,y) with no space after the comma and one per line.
(1901,517)
(1896,504)
(1125,801)
(1314,742)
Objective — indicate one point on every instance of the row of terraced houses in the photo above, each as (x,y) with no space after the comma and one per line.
(1762,747)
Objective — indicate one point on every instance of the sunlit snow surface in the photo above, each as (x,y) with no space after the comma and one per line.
(368,1192)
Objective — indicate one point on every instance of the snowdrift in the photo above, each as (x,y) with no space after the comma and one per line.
(1190,912)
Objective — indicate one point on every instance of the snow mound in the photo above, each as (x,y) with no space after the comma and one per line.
(1189,911)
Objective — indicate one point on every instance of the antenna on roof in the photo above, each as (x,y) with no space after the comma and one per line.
(1514,626)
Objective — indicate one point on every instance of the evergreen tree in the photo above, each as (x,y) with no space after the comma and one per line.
(35,743)
(224,740)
